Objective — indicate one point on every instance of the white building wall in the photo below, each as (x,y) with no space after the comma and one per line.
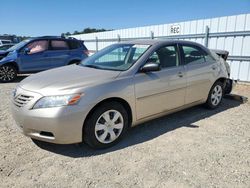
(236,45)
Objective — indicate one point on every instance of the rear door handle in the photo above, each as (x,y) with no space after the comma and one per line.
(180,74)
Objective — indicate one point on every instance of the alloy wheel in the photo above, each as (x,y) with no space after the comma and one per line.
(216,95)
(7,73)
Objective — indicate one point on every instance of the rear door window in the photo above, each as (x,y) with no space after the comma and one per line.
(194,55)
(59,45)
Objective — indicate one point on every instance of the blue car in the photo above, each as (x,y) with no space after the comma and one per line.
(38,54)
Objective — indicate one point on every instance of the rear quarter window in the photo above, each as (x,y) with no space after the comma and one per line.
(75,44)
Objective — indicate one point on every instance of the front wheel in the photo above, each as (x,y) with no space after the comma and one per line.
(8,73)
(215,95)
(106,125)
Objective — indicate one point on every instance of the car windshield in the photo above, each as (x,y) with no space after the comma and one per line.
(118,57)
(19,45)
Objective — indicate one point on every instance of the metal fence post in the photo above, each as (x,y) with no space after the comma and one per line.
(96,44)
(206,36)
(152,35)
(119,38)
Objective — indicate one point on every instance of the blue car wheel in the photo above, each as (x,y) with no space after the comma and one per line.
(8,73)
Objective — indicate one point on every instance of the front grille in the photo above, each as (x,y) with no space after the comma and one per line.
(22,100)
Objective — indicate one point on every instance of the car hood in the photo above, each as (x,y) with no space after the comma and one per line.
(67,79)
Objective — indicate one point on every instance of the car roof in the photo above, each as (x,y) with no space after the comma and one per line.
(159,41)
(54,37)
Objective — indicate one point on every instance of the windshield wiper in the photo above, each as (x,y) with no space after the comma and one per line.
(92,66)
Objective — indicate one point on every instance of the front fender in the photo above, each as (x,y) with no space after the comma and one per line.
(8,59)
(122,88)
(4,62)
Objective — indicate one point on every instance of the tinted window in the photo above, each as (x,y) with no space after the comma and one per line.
(167,57)
(59,45)
(37,46)
(74,44)
(193,54)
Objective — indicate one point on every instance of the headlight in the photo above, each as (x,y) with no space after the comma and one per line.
(56,101)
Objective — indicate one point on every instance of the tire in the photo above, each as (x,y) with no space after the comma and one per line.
(228,87)
(106,125)
(74,62)
(8,73)
(215,95)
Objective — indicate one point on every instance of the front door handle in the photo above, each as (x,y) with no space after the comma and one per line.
(180,74)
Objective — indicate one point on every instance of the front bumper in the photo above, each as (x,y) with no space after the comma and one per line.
(61,125)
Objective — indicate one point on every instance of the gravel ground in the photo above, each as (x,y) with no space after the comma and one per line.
(192,148)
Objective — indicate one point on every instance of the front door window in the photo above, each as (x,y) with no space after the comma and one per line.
(166,56)
(37,46)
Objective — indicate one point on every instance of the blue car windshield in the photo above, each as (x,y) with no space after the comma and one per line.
(19,45)
(118,57)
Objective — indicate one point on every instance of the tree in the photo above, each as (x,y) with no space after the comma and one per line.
(84,31)
(76,33)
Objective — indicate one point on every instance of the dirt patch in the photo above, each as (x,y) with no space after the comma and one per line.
(192,148)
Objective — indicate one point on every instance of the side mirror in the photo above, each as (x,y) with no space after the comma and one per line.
(26,50)
(150,67)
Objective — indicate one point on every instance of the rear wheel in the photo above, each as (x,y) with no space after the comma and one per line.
(8,73)
(215,95)
(228,87)
(106,125)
